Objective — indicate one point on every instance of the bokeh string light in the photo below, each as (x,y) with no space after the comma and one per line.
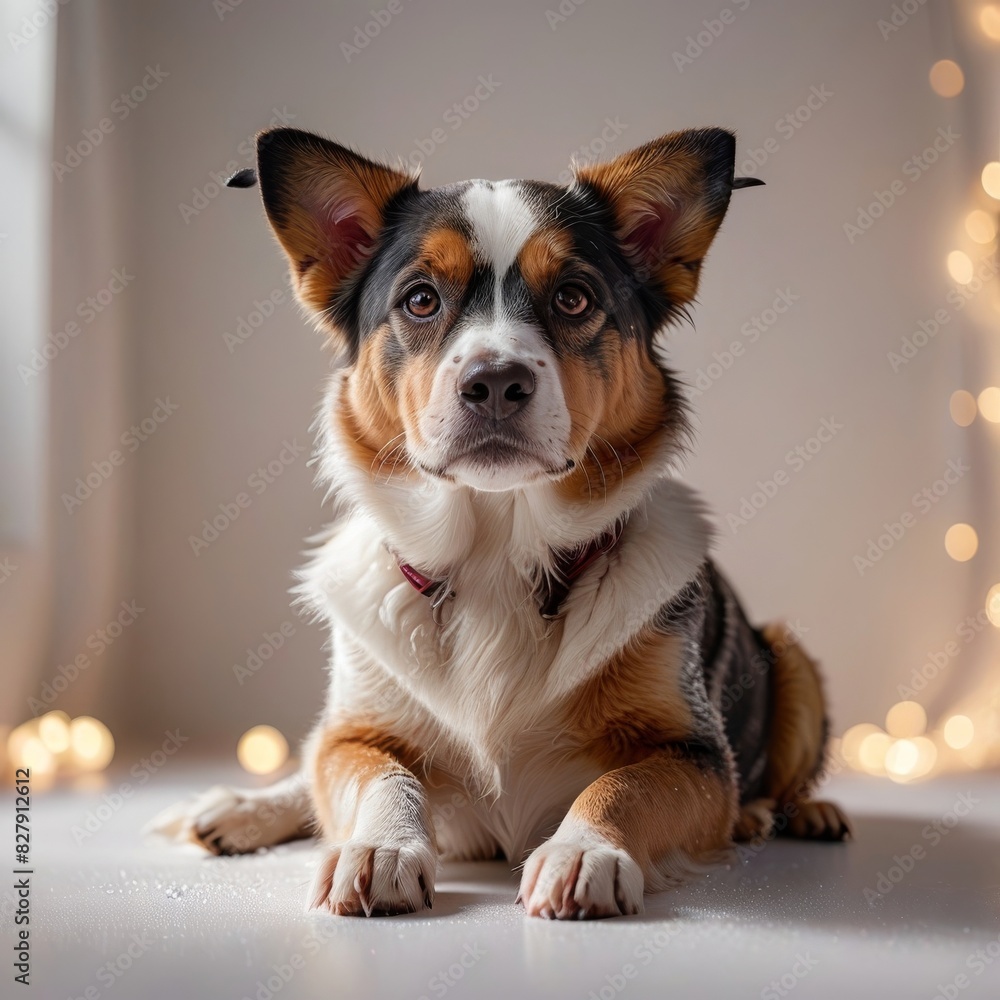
(905,750)
(262,750)
(54,745)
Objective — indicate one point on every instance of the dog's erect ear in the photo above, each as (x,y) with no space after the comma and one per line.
(668,199)
(325,204)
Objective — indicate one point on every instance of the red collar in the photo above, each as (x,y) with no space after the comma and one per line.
(552,591)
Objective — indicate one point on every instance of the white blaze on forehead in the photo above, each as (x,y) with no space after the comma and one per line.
(502,219)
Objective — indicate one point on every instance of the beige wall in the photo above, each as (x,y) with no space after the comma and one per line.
(556,87)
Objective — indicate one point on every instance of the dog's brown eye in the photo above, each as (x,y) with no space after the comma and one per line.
(571,300)
(422,302)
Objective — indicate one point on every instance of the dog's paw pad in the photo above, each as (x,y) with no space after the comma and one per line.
(360,879)
(563,880)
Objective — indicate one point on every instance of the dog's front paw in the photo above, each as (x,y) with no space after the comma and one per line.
(566,880)
(361,879)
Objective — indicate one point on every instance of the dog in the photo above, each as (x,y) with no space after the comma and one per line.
(533,655)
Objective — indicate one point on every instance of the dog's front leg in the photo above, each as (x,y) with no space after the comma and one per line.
(631,830)
(380,854)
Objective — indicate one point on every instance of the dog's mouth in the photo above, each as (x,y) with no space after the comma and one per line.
(503,462)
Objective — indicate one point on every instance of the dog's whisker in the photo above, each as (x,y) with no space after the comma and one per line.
(382,465)
(388,444)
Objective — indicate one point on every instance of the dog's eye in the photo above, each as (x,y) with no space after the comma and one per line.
(422,303)
(571,300)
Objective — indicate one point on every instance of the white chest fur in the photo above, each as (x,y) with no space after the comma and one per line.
(491,681)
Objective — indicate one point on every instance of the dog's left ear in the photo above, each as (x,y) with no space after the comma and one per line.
(668,199)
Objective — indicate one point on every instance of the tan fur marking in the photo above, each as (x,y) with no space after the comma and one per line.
(348,759)
(658,806)
(617,423)
(369,416)
(795,748)
(446,254)
(416,381)
(543,257)
(634,705)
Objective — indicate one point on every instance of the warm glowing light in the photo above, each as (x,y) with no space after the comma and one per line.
(991,179)
(959,731)
(872,752)
(981,226)
(906,719)
(907,760)
(850,745)
(989,21)
(17,739)
(36,756)
(92,743)
(989,404)
(960,266)
(53,730)
(262,750)
(901,758)
(947,78)
(963,407)
(961,542)
(992,608)
(926,756)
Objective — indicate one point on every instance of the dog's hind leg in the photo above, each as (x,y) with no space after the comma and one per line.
(797,744)
(227,820)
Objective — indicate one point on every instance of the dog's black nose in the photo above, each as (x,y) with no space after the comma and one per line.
(496,389)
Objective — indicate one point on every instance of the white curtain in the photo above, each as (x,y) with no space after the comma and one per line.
(72,565)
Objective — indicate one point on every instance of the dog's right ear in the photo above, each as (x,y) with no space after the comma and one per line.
(326,206)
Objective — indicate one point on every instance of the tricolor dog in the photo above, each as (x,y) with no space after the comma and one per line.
(530,643)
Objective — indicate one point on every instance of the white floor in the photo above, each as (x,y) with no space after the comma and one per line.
(126,920)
